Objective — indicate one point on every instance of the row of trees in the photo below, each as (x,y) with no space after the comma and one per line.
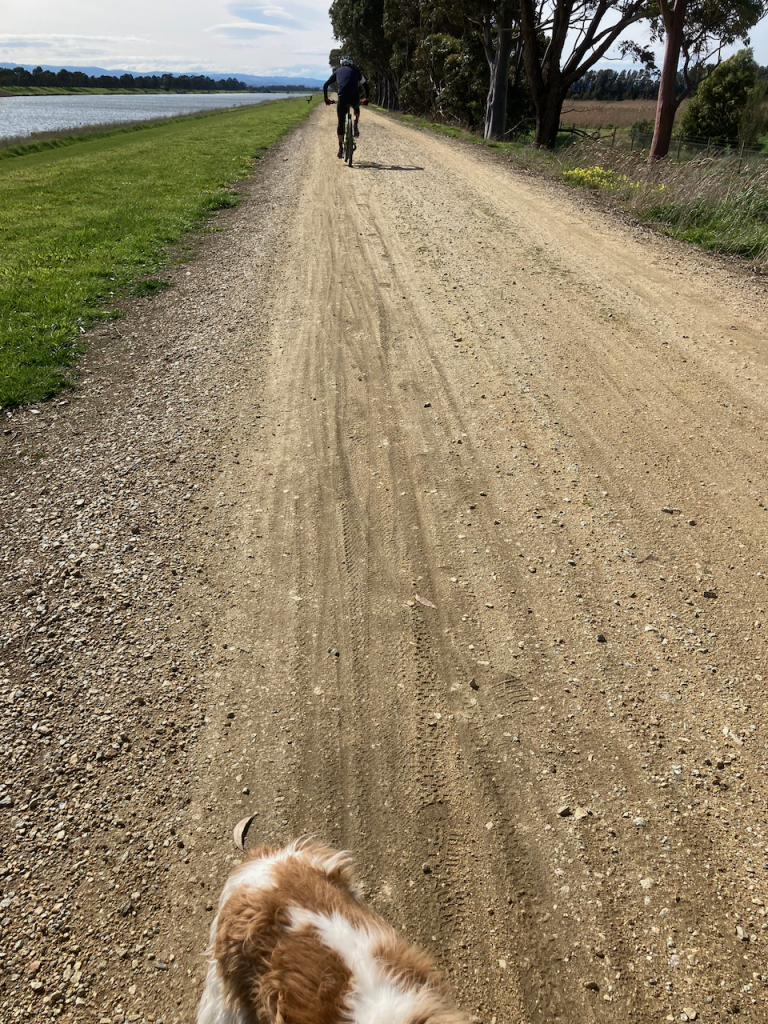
(508,63)
(643,84)
(79,80)
(607,84)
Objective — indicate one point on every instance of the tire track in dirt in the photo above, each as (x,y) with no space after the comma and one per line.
(446,415)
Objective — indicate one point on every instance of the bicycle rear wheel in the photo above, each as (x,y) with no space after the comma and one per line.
(349,139)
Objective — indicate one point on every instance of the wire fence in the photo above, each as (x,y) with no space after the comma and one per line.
(684,147)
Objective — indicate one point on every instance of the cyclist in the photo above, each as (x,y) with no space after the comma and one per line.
(348,80)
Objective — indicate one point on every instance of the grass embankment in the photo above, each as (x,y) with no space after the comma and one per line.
(86,222)
(719,203)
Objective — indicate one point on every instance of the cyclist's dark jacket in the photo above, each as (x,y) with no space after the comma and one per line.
(348,81)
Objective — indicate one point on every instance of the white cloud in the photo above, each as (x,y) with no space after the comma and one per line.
(7,40)
(248,12)
(226,36)
(239,30)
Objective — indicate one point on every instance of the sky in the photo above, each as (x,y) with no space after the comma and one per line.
(289,37)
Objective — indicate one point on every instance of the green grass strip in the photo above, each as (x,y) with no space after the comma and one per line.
(84,224)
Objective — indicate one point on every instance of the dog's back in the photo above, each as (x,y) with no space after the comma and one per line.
(293,944)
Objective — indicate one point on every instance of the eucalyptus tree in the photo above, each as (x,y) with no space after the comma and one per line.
(432,55)
(698,30)
(562,40)
(359,26)
(500,26)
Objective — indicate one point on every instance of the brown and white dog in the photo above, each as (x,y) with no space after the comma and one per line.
(293,943)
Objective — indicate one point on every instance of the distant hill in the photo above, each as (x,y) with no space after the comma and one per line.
(313,83)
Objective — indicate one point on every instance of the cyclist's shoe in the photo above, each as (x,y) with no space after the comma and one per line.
(340,154)
(357,132)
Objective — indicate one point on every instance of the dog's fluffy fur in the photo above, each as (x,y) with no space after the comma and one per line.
(292,943)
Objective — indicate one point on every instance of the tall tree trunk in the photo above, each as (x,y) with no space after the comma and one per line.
(498,61)
(548,110)
(666,107)
(547,91)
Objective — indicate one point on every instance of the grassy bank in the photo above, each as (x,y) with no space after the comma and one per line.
(717,203)
(83,223)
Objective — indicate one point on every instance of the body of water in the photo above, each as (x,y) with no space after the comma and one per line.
(21,116)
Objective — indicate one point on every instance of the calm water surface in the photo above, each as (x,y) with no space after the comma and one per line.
(20,116)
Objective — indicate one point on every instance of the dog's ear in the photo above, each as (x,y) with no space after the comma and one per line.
(336,865)
(338,869)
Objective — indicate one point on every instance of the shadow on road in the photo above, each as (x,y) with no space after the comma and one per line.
(370,165)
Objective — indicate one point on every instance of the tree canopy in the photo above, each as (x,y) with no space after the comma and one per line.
(715,112)
(79,80)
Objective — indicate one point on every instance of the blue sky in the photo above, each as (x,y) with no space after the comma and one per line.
(286,37)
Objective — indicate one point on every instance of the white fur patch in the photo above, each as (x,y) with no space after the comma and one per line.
(213,1008)
(374,998)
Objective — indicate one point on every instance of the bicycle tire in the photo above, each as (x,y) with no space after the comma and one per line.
(349,139)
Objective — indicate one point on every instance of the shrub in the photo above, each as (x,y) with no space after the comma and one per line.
(715,111)
(644,127)
(752,122)
(596,177)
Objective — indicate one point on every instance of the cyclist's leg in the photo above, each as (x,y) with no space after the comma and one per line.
(357,118)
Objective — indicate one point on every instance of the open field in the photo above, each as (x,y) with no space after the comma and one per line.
(603,114)
(85,222)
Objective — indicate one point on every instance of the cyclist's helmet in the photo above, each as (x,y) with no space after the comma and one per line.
(346,62)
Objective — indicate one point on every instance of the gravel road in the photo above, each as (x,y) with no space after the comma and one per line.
(426,513)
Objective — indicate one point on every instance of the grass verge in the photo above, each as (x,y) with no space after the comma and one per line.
(717,203)
(83,224)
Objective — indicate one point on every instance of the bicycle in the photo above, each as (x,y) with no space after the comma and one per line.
(349,136)
(348,140)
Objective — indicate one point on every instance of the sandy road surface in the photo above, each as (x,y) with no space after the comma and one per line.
(471,580)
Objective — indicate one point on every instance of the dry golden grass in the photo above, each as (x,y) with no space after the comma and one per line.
(604,113)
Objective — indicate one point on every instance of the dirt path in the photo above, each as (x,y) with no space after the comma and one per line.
(464,489)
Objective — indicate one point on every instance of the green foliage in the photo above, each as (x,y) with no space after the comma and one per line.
(83,224)
(448,79)
(359,24)
(715,111)
(737,224)
(430,54)
(752,122)
(65,80)
(642,127)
